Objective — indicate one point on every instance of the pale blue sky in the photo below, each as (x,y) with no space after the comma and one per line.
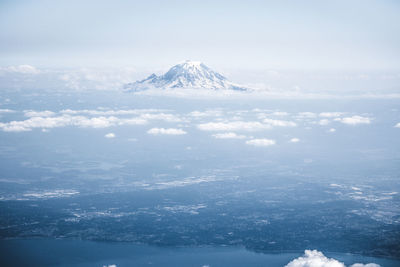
(239,34)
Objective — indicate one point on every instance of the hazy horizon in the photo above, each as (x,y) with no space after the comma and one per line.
(311,35)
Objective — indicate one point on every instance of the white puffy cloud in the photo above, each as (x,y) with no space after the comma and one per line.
(332,130)
(144,114)
(233,126)
(36,122)
(85,118)
(354,120)
(68,120)
(261,142)
(397,125)
(324,122)
(96,122)
(330,114)
(110,135)
(279,123)
(24,69)
(314,258)
(132,121)
(295,140)
(10,127)
(160,116)
(169,131)
(207,113)
(229,135)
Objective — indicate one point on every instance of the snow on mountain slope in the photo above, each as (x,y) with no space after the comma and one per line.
(189,74)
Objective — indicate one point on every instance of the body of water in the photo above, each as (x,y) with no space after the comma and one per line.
(47,252)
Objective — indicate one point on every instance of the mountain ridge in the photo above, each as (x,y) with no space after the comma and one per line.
(188,74)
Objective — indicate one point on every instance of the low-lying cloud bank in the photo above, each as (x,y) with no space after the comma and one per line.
(84,118)
(260,94)
(314,258)
(263,86)
(225,124)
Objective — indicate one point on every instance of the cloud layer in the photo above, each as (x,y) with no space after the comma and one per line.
(222,123)
(85,118)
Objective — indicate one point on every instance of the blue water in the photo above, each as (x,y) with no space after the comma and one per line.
(50,252)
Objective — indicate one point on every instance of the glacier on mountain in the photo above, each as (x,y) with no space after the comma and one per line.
(189,74)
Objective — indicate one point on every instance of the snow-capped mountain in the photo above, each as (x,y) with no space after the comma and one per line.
(189,74)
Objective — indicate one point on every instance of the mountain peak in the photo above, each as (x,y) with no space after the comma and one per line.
(191,63)
(187,74)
